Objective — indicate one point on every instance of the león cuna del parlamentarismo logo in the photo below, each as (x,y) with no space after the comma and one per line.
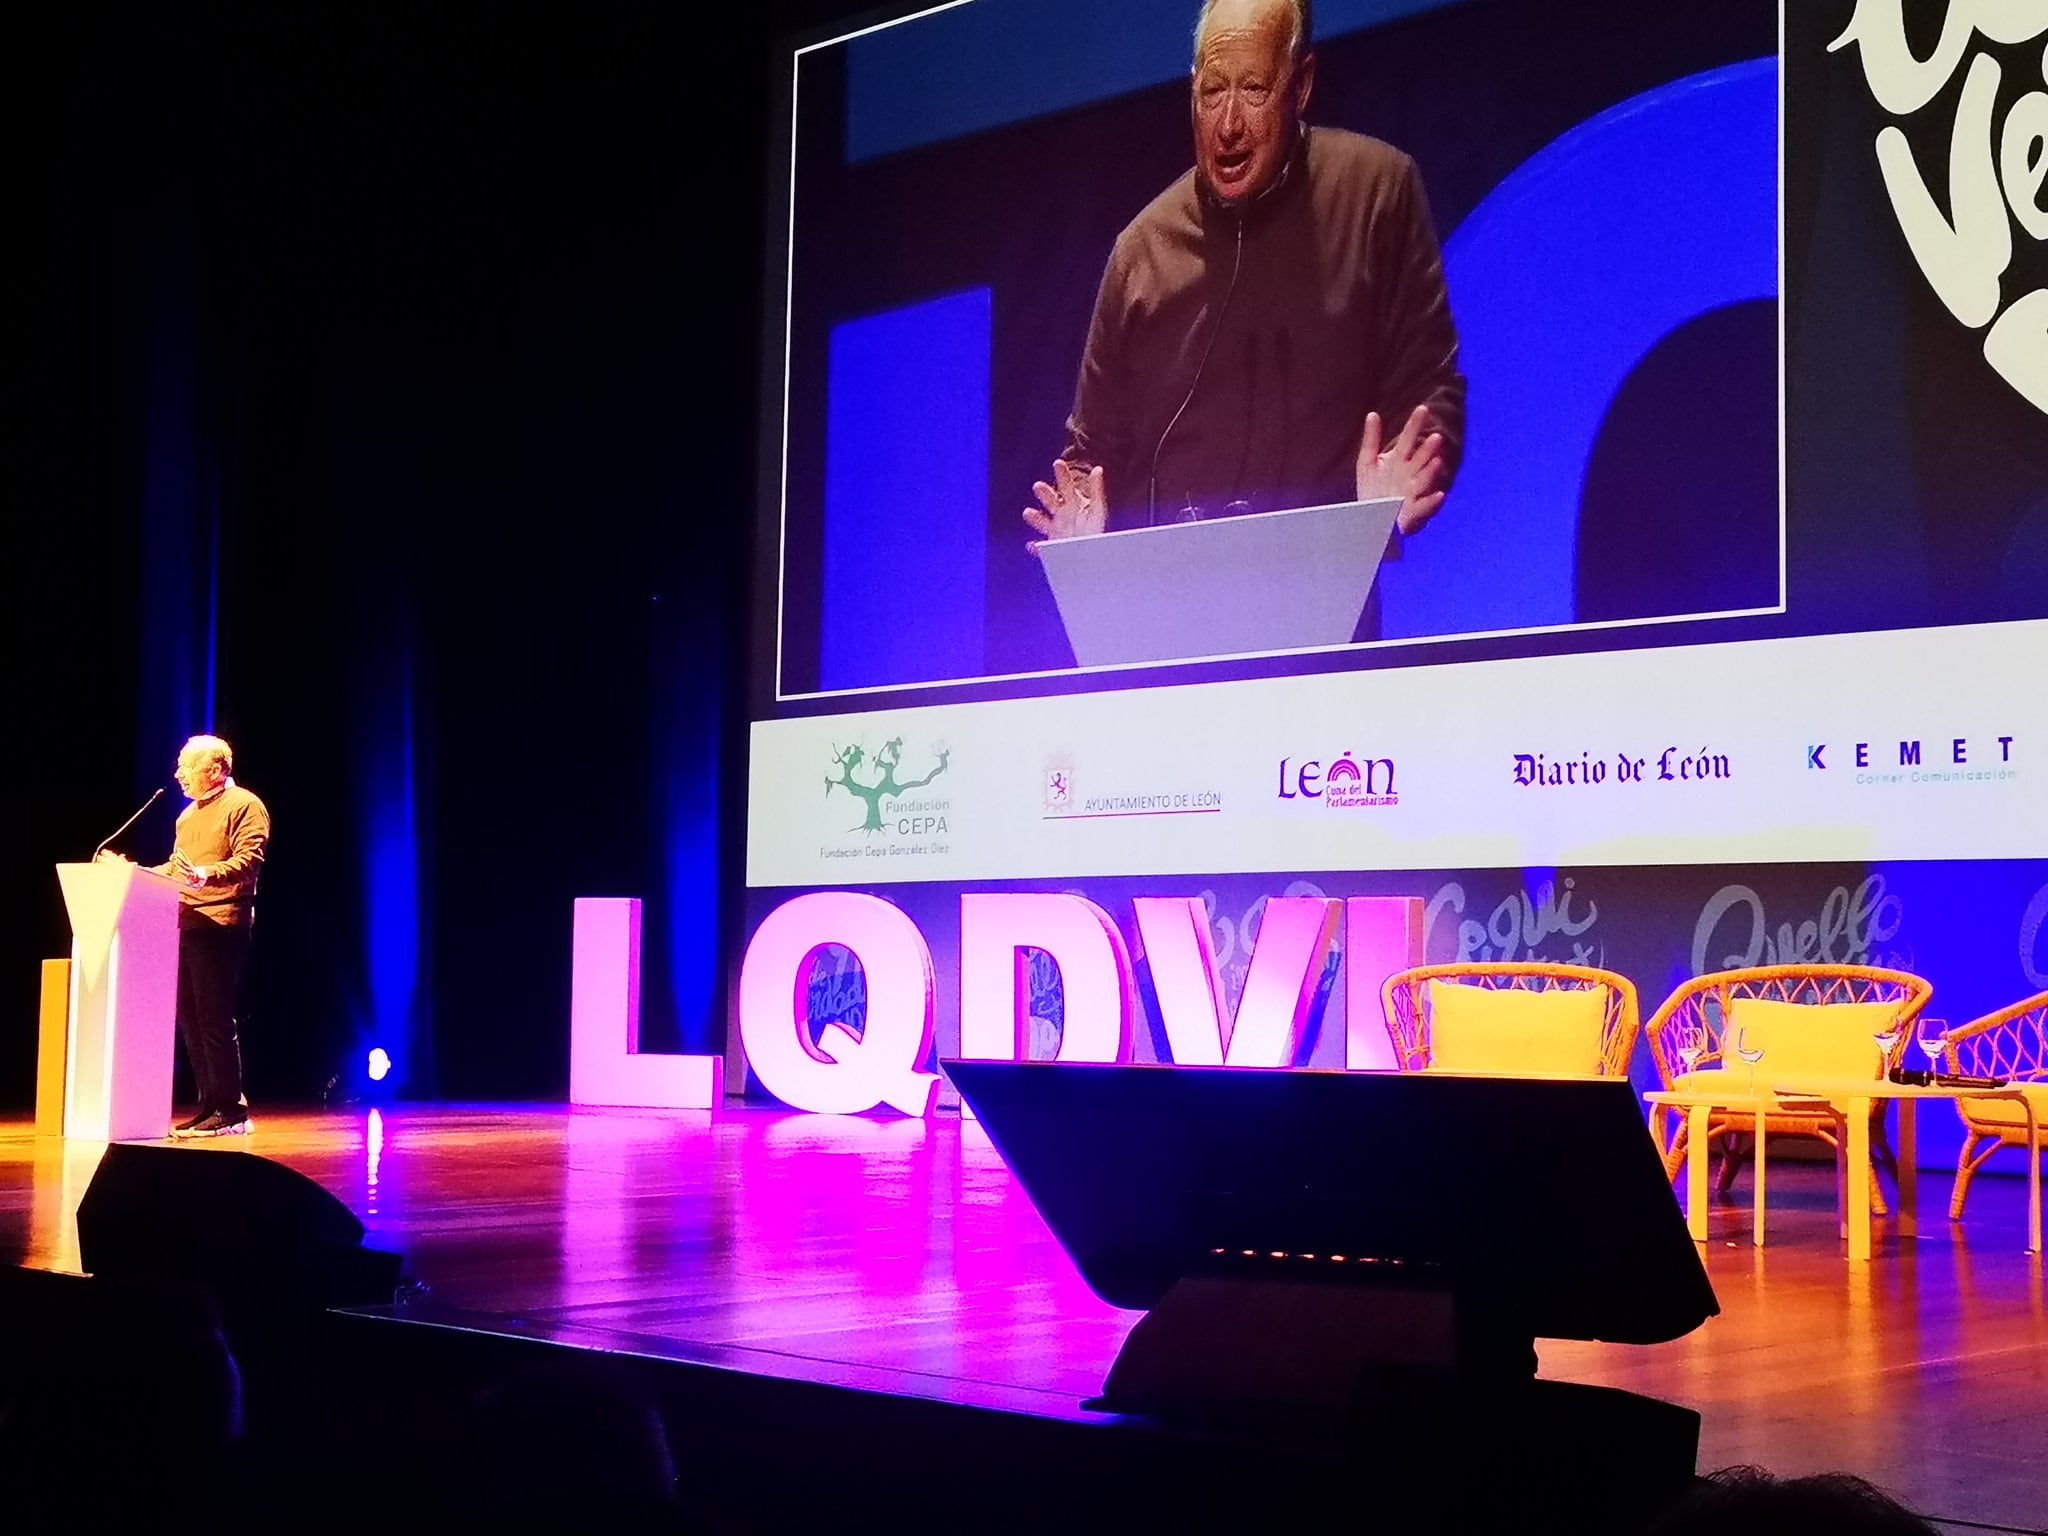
(885,786)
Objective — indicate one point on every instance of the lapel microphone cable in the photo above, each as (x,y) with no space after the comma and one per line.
(1236,266)
(1297,150)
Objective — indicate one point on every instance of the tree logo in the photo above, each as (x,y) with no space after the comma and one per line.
(886,786)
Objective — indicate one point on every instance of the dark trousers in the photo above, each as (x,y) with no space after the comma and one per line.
(210,959)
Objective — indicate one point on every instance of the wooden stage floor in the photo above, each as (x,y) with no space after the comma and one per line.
(900,1255)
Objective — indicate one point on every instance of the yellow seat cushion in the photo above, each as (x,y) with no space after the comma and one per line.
(1509,1032)
(1808,1039)
(2004,1116)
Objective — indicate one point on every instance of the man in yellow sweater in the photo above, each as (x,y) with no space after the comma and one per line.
(217,855)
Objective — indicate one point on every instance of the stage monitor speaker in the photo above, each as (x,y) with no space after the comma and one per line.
(1305,1237)
(233,1221)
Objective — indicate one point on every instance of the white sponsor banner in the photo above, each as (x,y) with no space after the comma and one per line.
(1905,744)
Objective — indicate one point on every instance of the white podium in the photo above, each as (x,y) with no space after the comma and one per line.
(1230,586)
(124,1001)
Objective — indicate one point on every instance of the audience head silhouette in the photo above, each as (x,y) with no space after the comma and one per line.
(1751,1502)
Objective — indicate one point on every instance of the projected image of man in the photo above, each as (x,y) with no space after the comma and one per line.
(1273,330)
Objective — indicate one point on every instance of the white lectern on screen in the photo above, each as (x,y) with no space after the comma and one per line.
(1269,581)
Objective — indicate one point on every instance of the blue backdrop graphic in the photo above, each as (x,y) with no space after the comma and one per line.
(1610,237)
(906,479)
(912,85)
(1618,266)
(1565,278)
(1568,275)
(1978,932)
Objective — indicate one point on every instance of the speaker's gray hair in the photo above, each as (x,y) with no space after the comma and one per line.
(1304,27)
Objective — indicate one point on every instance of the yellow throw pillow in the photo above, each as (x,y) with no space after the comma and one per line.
(1509,1032)
(1808,1039)
(2004,1114)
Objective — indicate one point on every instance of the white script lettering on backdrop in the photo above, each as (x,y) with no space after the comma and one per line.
(2033,944)
(1996,172)
(1520,926)
(1848,931)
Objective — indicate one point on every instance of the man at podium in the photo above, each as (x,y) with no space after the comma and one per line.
(216,856)
(1273,330)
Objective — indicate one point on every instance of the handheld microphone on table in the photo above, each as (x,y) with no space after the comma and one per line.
(1914,1077)
(155,795)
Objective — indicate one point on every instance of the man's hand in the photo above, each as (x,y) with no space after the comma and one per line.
(1072,506)
(108,856)
(194,875)
(1409,468)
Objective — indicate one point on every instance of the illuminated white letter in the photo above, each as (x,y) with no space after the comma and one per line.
(1382,935)
(1280,987)
(842,1073)
(606,1066)
(995,995)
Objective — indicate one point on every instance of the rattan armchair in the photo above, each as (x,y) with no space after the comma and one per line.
(2011,1043)
(1698,1012)
(1405,995)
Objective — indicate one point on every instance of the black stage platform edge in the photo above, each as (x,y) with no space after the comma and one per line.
(791,1454)
(368,1407)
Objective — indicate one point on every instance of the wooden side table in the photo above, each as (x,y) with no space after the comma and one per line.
(1854,1099)
(1699,1099)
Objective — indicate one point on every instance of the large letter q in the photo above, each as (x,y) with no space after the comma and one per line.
(842,1073)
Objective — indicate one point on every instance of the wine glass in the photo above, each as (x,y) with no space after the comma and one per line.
(1886,1038)
(1934,1041)
(1752,1054)
(1690,1049)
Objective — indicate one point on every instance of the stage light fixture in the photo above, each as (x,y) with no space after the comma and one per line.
(378,1064)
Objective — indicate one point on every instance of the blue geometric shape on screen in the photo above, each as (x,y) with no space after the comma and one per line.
(959,71)
(1605,241)
(905,557)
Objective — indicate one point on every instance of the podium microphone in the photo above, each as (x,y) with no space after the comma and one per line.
(155,795)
